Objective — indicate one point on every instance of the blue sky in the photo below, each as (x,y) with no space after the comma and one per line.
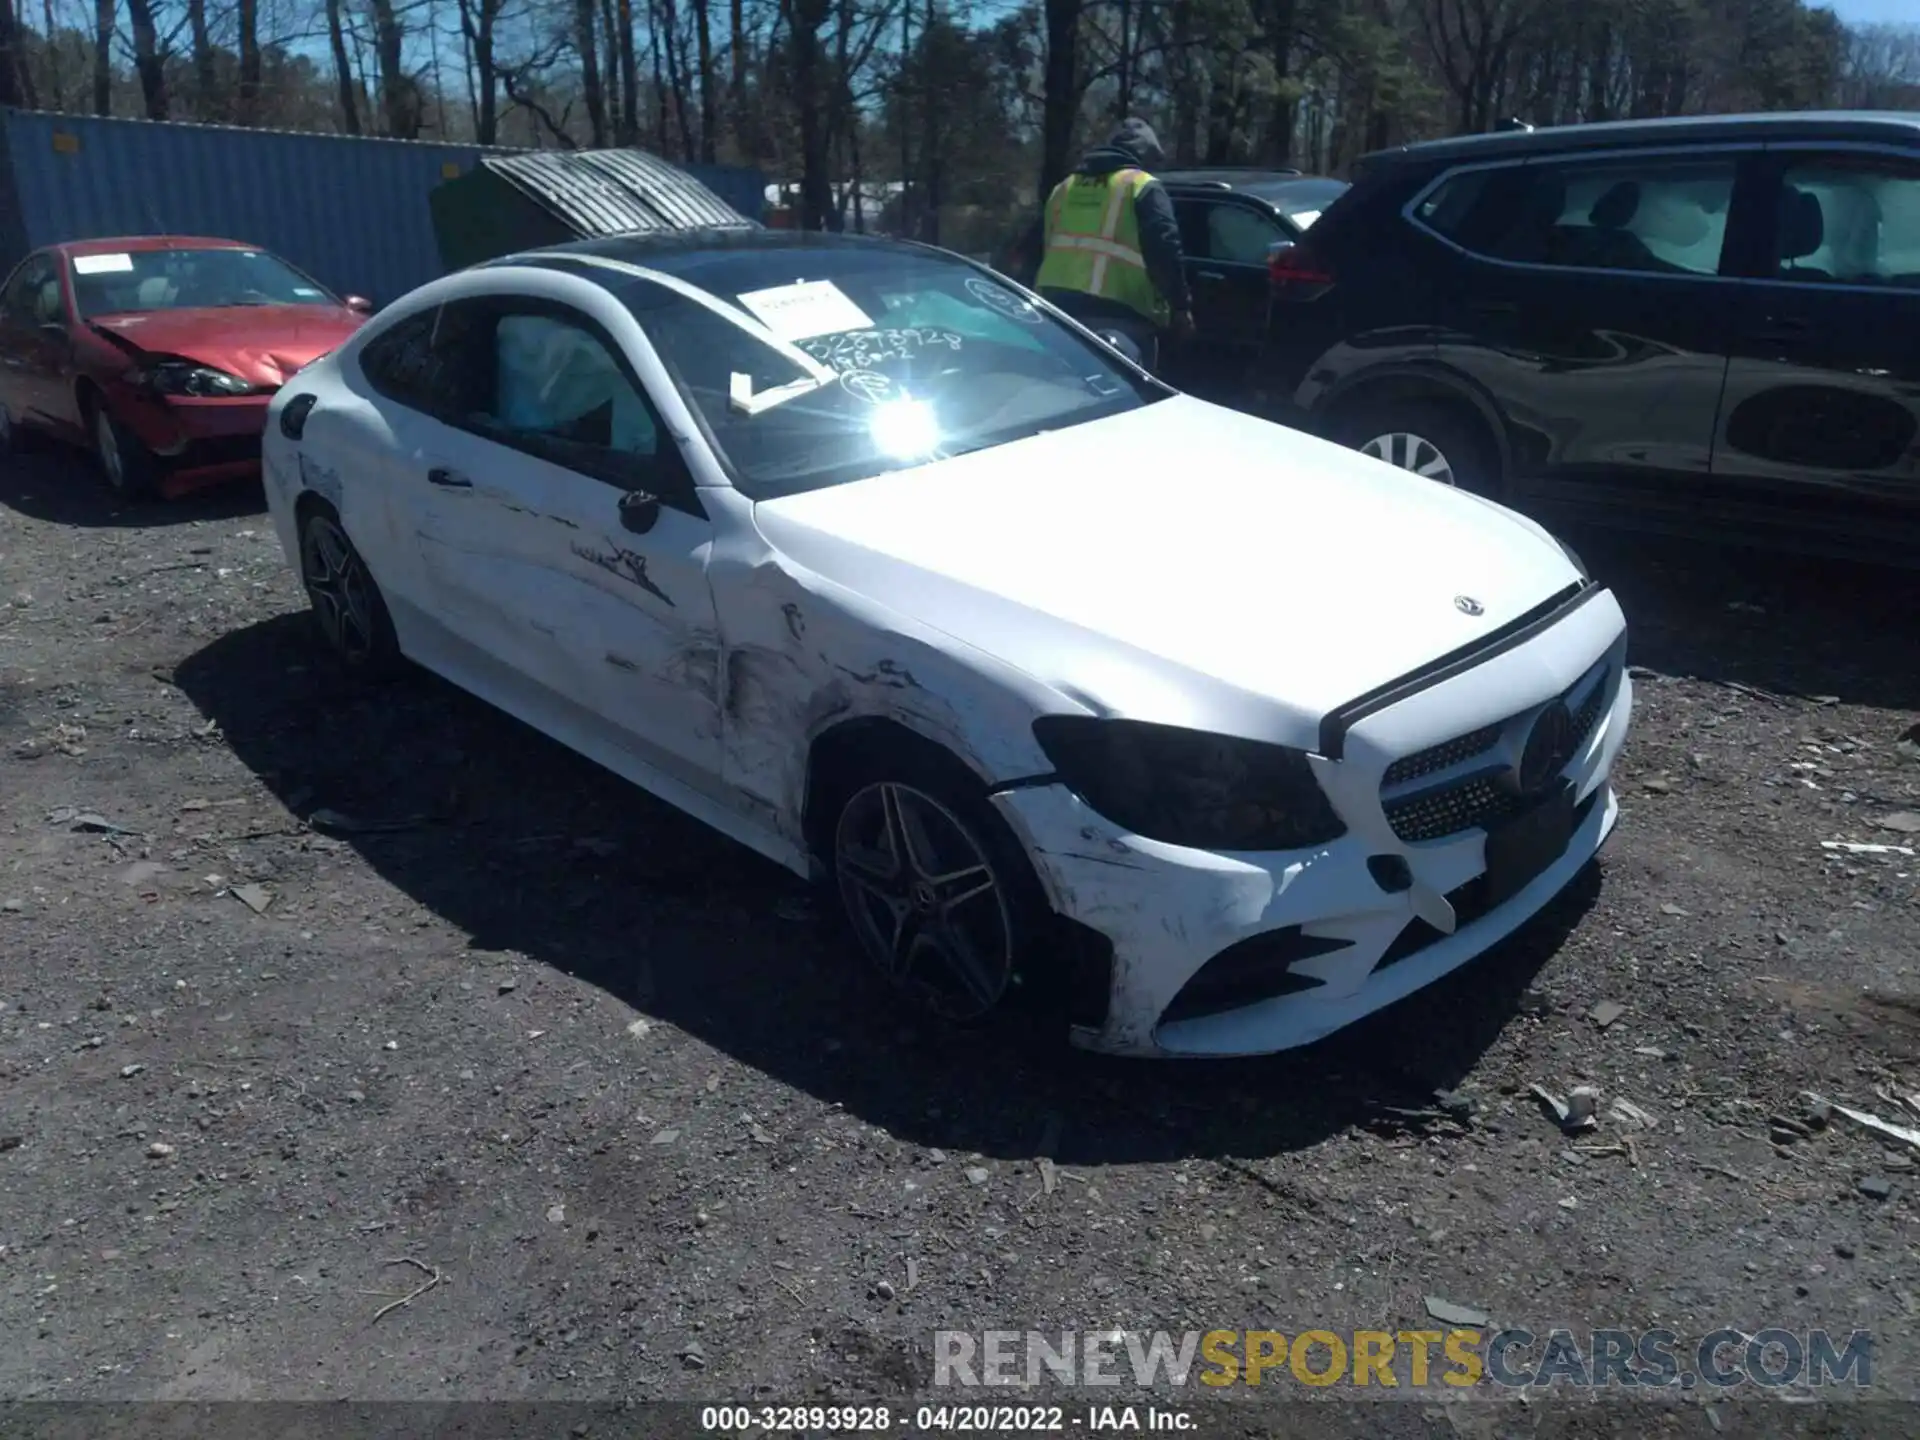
(1876,12)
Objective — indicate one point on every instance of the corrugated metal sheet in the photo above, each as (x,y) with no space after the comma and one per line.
(614,192)
(349,210)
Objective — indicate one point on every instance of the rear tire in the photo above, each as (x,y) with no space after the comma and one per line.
(1429,438)
(347,605)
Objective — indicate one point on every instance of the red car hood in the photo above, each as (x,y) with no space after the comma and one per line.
(261,343)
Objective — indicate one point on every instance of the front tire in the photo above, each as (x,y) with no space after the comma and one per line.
(347,605)
(1433,440)
(936,890)
(129,468)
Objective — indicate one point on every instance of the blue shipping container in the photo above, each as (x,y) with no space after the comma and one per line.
(349,210)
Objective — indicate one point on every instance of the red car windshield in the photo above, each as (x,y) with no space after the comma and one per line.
(131,281)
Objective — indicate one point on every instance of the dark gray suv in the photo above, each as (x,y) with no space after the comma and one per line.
(1708,324)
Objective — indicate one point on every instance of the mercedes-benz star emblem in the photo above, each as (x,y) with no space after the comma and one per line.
(1549,746)
(1467,605)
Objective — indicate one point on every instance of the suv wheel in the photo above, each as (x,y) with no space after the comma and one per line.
(1434,441)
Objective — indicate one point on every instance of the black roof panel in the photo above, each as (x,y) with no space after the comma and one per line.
(1897,127)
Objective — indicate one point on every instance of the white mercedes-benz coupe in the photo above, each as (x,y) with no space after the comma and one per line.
(1214,734)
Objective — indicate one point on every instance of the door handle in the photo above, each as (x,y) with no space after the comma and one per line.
(1494,307)
(1208,275)
(448,479)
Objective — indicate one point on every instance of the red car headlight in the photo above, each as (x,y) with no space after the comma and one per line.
(171,377)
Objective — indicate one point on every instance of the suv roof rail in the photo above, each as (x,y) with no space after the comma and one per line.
(1232,170)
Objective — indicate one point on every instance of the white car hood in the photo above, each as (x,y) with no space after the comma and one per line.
(1119,560)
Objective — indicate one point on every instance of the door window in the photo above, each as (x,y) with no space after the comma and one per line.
(556,381)
(546,379)
(1663,215)
(1849,220)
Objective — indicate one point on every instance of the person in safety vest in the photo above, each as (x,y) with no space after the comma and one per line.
(1110,252)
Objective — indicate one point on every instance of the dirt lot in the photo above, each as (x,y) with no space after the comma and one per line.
(614,1081)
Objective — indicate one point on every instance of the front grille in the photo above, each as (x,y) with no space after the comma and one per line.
(1588,715)
(1469,903)
(1442,756)
(1477,800)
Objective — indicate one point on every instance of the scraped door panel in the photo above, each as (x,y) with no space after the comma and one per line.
(531,563)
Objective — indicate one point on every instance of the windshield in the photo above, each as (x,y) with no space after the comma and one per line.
(841,364)
(131,281)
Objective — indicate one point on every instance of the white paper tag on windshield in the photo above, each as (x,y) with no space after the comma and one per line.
(805,309)
(102,264)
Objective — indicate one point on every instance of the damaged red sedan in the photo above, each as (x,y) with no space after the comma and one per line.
(159,353)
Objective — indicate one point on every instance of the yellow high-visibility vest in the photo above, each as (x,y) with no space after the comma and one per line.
(1093,242)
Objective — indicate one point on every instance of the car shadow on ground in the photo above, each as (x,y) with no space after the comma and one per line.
(527,848)
(47,482)
(1787,625)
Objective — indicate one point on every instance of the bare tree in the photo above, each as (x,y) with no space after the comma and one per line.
(1060,89)
(103,20)
(709,93)
(399,95)
(247,97)
(15,81)
(628,132)
(586,41)
(346,89)
(478,19)
(206,82)
(148,62)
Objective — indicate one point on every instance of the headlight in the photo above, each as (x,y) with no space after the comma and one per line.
(184,378)
(1186,787)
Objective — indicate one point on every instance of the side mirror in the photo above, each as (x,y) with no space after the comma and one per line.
(639,511)
(359,304)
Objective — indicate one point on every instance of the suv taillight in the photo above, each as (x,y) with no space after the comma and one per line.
(1294,273)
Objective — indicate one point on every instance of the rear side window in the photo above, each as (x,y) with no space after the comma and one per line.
(1654,215)
(1851,220)
(1450,205)
(403,364)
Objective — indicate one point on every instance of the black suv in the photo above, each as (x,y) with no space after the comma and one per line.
(1708,324)
(1231,221)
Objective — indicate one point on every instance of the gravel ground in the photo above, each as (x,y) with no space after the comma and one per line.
(614,1082)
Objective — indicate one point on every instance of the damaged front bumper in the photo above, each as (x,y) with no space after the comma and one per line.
(1344,929)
